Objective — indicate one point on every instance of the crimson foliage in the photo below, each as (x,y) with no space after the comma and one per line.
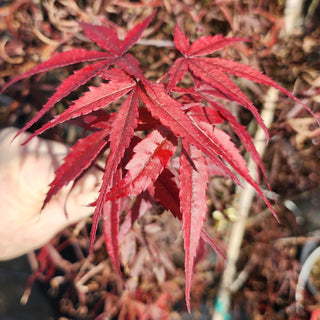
(140,165)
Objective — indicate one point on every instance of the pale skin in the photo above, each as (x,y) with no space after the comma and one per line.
(25,174)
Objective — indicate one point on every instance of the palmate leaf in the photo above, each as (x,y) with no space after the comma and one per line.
(106,38)
(81,156)
(213,71)
(193,180)
(201,46)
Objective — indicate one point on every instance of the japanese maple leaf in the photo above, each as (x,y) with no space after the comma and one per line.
(115,52)
(213,72)
(118,129)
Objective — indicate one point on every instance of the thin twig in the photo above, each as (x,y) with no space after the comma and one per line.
(160,43)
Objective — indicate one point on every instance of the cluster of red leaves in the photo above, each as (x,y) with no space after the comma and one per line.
(180,122)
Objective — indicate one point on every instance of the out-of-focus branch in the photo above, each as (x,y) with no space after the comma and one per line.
(293,18)
(245,198)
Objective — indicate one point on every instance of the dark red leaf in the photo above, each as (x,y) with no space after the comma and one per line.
(223,83)
(176,72)
(151,157)
(104,37)
(96,98)
(146,121)
(231,154)
(203,114)
(193,180)
(135,34)
(166,192)
(81,156)
(180,41)
(169,112)
(111,212)
(209,44)
(130,64)
(244,71)
(60,60)
(240,130)
(70,84)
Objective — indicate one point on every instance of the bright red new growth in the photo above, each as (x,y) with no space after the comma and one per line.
(141,166)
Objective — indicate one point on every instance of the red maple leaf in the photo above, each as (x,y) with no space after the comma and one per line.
(141,166)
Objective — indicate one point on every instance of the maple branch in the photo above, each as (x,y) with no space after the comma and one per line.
(245,198)
(293,18)
(153,42)
(156,43)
